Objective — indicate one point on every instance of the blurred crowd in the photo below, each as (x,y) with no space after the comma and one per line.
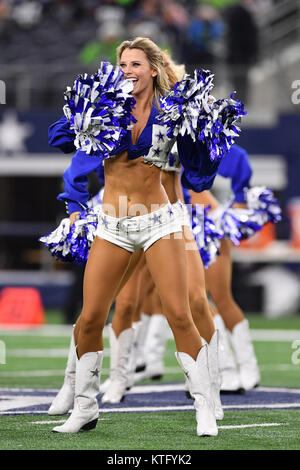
(74,32)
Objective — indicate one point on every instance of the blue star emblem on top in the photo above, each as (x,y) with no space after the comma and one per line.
(156,151)
(160,136)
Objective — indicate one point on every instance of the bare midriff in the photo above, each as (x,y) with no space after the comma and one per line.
(132,187)
(169,180)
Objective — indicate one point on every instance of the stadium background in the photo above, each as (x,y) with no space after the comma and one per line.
(253,47)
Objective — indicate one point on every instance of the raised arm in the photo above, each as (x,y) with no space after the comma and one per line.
(199,171)
(61,136)
(236,166)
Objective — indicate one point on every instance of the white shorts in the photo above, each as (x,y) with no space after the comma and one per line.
(134,233)
(182,212)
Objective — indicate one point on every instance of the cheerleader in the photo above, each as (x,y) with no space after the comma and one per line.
(158,328)
(239,370)
(250,209)
(132,161)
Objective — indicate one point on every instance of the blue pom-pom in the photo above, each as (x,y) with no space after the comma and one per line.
(242,223)
(206,235)
(262,200)
(72,244)
(189,108)
(237,223)
(181,105)
(99,108)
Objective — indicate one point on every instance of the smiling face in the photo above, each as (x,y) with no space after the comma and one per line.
(137,68)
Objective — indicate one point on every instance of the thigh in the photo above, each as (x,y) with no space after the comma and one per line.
(196,276)
(126,303)
(133,270)
(105,268)
(167,264)
(156,302)
(146,282)
(146,286)
(218,275)
(131,281)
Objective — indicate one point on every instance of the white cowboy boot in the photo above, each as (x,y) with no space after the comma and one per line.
(186,382)
(155,347)
(230,378)
(214,374)
(186,389)
(243,348)
(64,400)
(104,386)
(119,374)
(87,383)
(141,341)
(137,326)
(113,352)
(198,378)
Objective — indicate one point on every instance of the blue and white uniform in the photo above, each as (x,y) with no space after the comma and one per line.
(153,146)
(97,127)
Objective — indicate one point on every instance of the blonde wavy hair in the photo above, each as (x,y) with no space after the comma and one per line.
(168,72)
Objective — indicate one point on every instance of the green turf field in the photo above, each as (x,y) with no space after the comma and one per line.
(36,359)
(155,431)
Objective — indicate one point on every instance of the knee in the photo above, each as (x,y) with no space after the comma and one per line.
(178,317)
(222,299)
(92,323)
(198,301)
(125,308)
